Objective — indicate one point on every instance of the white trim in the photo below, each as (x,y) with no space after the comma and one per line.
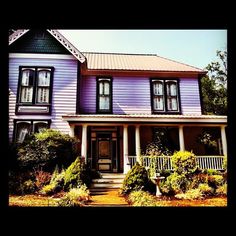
(41,56)
(151,119)
(17,34)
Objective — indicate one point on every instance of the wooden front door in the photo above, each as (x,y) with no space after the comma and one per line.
(104,152)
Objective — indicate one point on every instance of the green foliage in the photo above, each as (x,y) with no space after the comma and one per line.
(211,172)
(46,149)
(141,198)
(49,189)
(199,179)
(213,86)
(205,189)
(161,145)
(136,179)
(215,181)
(174,184)
(222,190)
(191,194)
(76,197)
(76,174)
(225,161)
(184,163)
(21,182)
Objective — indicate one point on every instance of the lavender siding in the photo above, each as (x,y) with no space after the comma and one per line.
(64,90)
(131,95)
(190,97)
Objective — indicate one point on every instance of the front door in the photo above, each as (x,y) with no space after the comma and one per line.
(104,152)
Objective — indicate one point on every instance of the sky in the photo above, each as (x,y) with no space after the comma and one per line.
(193,47)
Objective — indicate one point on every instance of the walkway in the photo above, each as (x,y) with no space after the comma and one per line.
(107,198)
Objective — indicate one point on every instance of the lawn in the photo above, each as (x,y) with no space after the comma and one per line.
(43,201)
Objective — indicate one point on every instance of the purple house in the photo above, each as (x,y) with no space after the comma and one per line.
(113,103)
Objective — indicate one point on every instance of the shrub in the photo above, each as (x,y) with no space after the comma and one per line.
(225,161)
(28,187)
(49,189)
(211,172)
(191,194)
(136,179)
(215,181)
(199,179)
(205,189)
(42,178)
(77,174)
(76,197)
(56,183)
(222,190)
(141,198)
(184,162)
(46,149)
(175,184)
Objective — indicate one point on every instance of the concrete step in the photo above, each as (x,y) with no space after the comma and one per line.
(107,180)
(105,185)
(113,176)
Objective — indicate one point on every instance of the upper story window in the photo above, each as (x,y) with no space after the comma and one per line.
(165,96)
(35,88)
(104,95)
(24,128)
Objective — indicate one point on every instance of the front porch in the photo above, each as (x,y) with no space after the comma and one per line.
(112,143)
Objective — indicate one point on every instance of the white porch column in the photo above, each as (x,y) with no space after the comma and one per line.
(137,143)
(223,139)
(181,138)
(84,142)
(126,167)
(72,131)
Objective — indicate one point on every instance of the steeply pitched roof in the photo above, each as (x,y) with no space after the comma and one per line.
(58,36)
(142,62)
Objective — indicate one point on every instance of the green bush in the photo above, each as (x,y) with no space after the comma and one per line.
(137,179)
(222,190)
(49,189)
(21,182)
(76,197)
(205,189)
(141,198)
(184,162)
(174,184)
(199,179)
(191,194)
(225,161)
(215,181)
(76,174)
(46,149)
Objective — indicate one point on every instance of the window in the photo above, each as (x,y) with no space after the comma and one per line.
(24,128)
(35,88)
(165,96)
(104,93)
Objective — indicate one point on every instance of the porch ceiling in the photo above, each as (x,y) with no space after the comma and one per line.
(144,118)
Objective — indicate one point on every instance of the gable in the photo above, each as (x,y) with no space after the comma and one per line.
(37,41)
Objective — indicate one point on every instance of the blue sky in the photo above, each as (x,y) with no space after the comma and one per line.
(193,47)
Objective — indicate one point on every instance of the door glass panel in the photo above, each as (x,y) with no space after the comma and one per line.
(104,149)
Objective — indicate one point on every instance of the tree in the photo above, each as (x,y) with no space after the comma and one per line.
(214,86)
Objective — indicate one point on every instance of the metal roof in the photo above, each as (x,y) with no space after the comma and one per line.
(143,62)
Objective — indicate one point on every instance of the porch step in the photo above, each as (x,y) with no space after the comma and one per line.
(108,181)
(105,185)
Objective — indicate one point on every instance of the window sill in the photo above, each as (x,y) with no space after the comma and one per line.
(23,109)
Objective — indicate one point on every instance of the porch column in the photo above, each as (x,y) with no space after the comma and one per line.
(72,131)
(223,139)
(137,142)
(125,149)
(181,138)
(84,142)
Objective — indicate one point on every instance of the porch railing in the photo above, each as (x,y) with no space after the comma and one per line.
(164,162)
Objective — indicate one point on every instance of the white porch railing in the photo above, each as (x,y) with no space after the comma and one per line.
(164,162)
